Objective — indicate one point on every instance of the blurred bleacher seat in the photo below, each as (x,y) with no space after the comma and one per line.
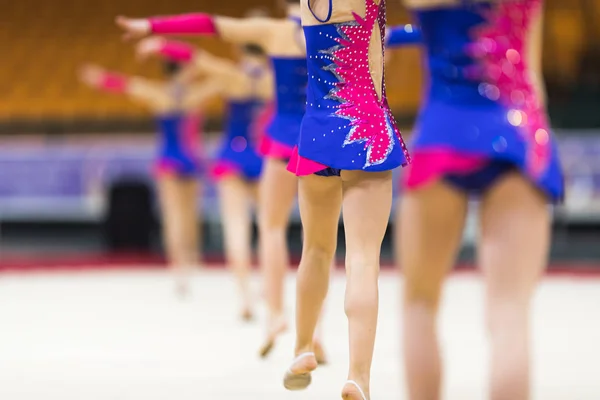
(46,41)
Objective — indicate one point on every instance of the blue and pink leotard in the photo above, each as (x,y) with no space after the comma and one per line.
(482,116)
(347,126)
(290,104)
(237,153)
(179,147)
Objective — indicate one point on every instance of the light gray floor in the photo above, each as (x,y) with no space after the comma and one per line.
(124,335)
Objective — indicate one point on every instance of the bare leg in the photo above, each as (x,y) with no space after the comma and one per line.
(367,205)
(174,212)
(277,191)
(235,213)
(431,221)
(320,354)
(190,218)
(513,251)
(320,200)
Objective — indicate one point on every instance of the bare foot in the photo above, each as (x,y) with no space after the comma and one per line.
(352,391)
(277,328)
(298,376)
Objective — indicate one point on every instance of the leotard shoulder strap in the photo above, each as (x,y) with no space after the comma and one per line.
(329,12)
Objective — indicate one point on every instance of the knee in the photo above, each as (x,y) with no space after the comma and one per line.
(318,254)
(268,222)
(506,316)
(422,295)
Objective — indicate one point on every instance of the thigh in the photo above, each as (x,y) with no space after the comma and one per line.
(188,206)
(366,207)
(252,188)
(277,191)
(320,202)
(514,237)
(233,198)
(431,222)
(169,202)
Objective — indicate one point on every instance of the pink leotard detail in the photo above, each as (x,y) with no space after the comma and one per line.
(184,24)
(433,164)
(222,169)
(177,51)
(274,149)
(303,166)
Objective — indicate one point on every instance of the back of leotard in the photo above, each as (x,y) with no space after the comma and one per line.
(179,142)
(290,98)
(238,148)
(480,98)
(347,126)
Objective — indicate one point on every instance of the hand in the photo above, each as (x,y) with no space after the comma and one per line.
(91,74)
(149,46)
(134,28)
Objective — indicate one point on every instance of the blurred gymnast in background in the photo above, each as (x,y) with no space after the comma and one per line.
(482,131)
(247,86)
(283,40)
(176,103)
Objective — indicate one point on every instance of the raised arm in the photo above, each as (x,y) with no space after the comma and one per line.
(255,30)
(202,61)
(402,35)
(201,93)
(148,92)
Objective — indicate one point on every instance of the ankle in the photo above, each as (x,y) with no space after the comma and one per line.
(302,348)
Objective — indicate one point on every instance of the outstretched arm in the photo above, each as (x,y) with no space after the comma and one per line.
(201,93)
(98,78)
(137,88)
(202,61)
(255,30)
(402,35)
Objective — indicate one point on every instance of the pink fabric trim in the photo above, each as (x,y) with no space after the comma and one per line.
(432,164)
(222,169)
(303,166)
(274,149)
(113,82)
(177,51)
(184,24)
(367,113)
(501,48)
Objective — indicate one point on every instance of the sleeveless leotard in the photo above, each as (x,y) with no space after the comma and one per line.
(290,104)
(346,125)
(179,147)
(482,116)
(237,153)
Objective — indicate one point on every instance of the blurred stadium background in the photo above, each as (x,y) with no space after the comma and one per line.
(75,185)
(76,192)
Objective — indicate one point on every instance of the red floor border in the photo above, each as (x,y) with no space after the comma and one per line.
(132,261)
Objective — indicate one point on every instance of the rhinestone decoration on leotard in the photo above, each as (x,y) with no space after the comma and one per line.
(500,48)
(370,118)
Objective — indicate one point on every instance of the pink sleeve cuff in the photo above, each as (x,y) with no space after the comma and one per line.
(177,51)
(202,24)
(112,82)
